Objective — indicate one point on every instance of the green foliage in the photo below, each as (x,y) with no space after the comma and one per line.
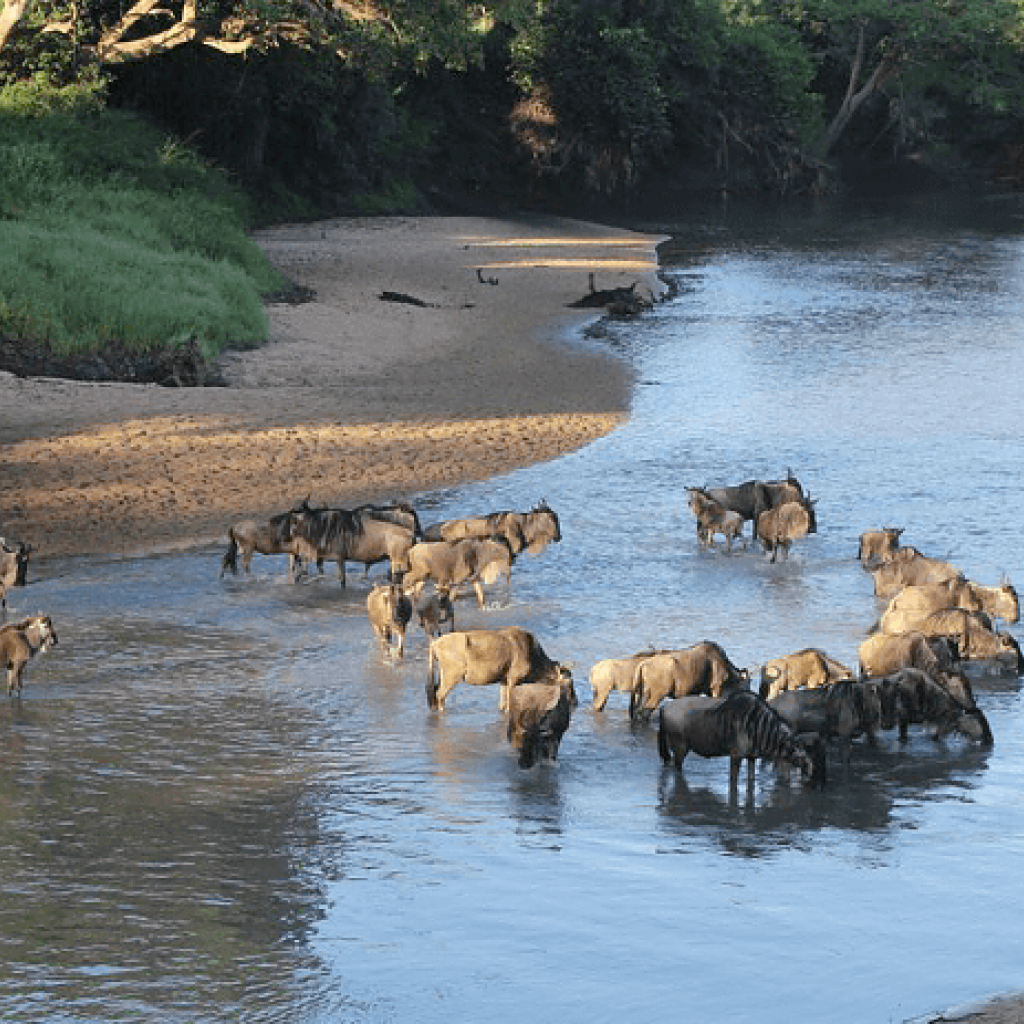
(114,233)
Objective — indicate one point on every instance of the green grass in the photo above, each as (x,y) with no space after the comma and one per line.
(111,233)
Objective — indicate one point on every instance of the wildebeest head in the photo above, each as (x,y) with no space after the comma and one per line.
(810,757)
(974,725)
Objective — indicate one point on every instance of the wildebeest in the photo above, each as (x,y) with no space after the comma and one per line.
(390,610)
(908,567)
(530,531)
(538,716)
(20,642)
(480,657)
(270,538)
(614,674)
(13,568)
(923,701)
(450,564)
(884,653)
(877,546)
(349,535)
(842,710)
(434,608)
(973,635)
(739,726)
(778,527)
(916,602)
(713,518)
(753,497)
(810,668)
(704,668)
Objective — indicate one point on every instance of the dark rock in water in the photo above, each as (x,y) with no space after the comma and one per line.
(181,366)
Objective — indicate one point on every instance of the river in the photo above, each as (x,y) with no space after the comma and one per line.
(220,801)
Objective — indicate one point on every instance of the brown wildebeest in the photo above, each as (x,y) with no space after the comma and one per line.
(973,635)
(433,608)
(389,610)
(884,653)
(739,726)
(713,518)
(530,531)
(809,668)
(349,535)
(877,546)
(842,710)
(753,497)
(614,674)
(908,567)
(20,642)
(481,657)
(924,599)
(923,701)
(269,538)
(778,527)
(704,668)
(13,568)
(450,564)
(538,716)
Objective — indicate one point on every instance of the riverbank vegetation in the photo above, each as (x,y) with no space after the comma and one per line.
(137,143)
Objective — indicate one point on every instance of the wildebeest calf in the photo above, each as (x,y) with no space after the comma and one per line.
(390,611)
(22,641)
(538,716)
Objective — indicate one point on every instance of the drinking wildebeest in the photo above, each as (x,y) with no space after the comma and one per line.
(908,567)
(434,607)
(753,497)
(20,642)
(713,518)
(530,531)
(810,668)
(348,535)
(884,653)
(538,716)
(738,726)
(389,610)
(450,564)
(614,674)
(956,592)
(877,546)
(704,668)
(842,710)
(973,636)
(778,527)
(481,657)
(270,538)
(923,701)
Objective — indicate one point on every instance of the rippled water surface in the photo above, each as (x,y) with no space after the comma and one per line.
(219,801)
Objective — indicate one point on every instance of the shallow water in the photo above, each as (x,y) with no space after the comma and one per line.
(220,801)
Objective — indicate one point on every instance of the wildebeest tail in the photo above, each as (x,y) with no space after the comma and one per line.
(431,677)
(230,559)
(663,748)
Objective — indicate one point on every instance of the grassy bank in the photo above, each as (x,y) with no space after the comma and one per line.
(115,235)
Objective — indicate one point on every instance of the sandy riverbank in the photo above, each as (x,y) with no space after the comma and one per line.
(354,399)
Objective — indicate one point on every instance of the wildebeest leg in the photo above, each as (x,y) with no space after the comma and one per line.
(445,687)
(479,588)
(734,771)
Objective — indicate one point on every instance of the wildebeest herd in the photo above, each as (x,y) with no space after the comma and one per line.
(910,671)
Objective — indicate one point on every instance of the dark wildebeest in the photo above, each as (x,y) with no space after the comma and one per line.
(877,546)
(778,527)
(348,535)
(739,726)
(20,642)
(13,568)
(884,653)
(841,710)
(480,657)
(269,538)
(434,607)
(614,674)
(810,668)
(704,668)
(908,567)
(389,610)
(713,518)
(450,564)
(538,715)
(530,531)
(753,497)
(923,701)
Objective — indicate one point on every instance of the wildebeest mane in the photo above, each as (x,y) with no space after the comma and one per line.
(769,734)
